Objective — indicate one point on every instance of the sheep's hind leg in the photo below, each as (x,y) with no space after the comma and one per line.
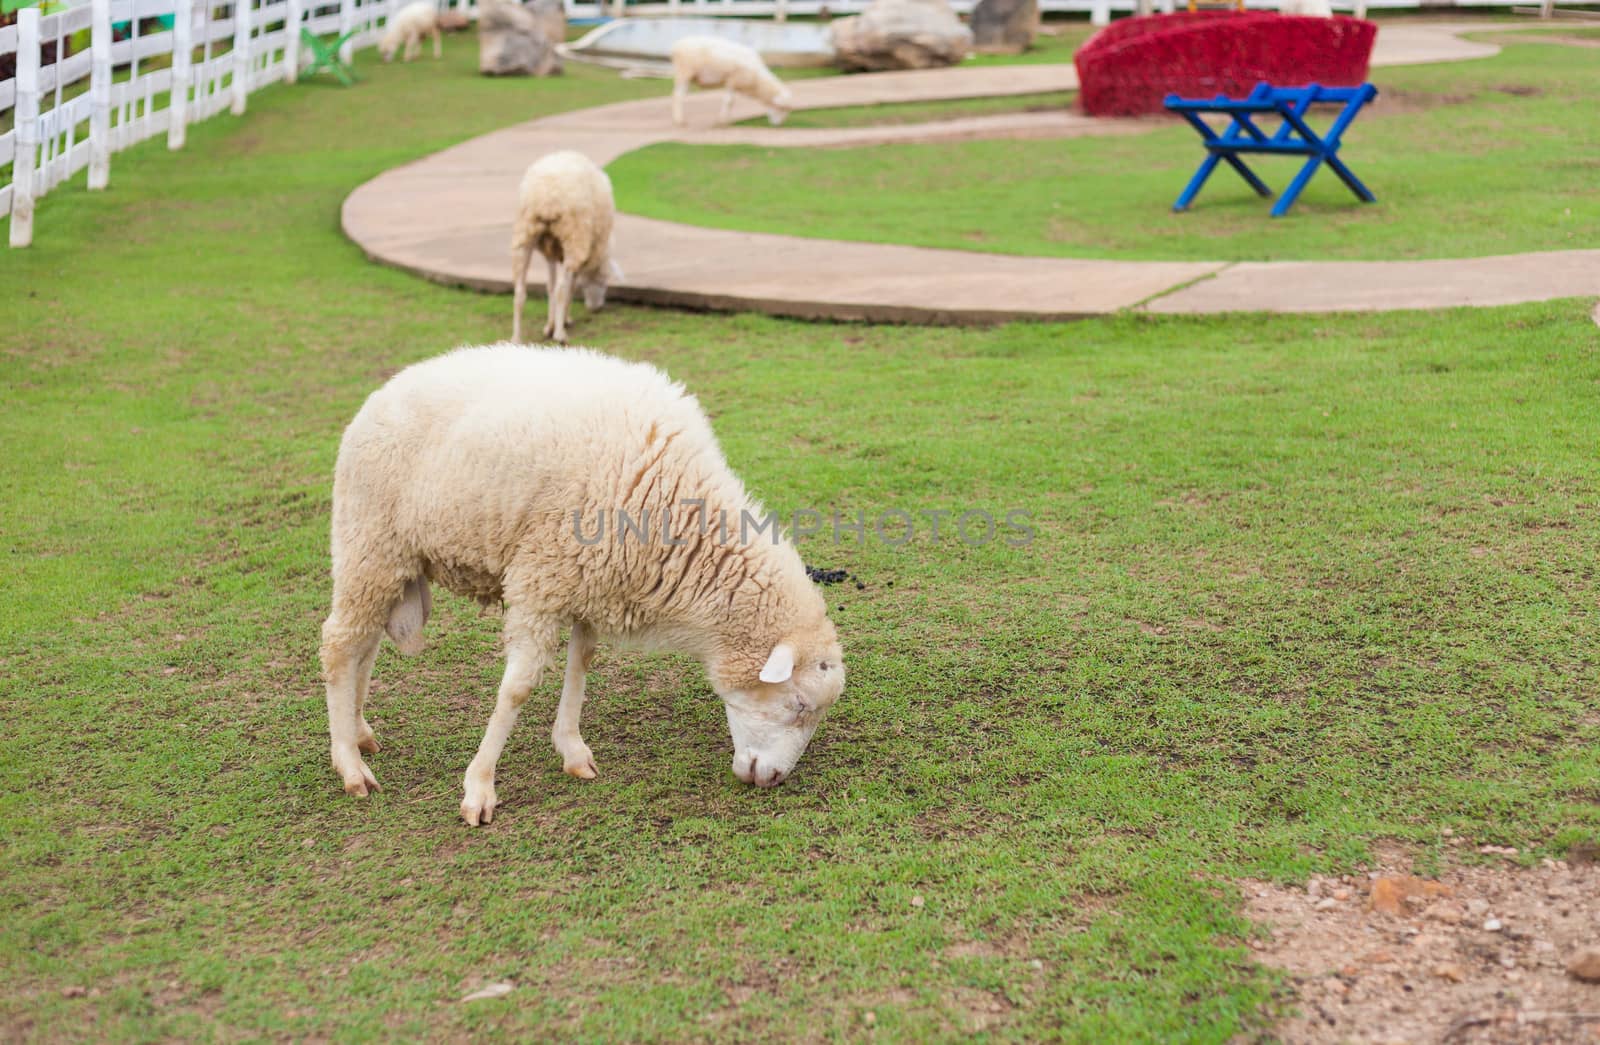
(529,640)
(347,655)
(521,258)
(680,90)
(406,620)
(438,49)
(727,106)
(366,739)
(560,303)
(552,272)
(576,758)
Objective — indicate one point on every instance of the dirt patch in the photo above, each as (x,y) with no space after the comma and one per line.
(1478,954)
(1396,102)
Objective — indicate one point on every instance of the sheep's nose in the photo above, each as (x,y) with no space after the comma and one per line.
(766,776)
(753,772)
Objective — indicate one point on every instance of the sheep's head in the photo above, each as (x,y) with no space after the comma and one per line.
(778,111)
(386,49)
(773,715)
(594,285)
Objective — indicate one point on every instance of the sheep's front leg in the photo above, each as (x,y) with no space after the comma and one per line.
(528,645)
(576,758)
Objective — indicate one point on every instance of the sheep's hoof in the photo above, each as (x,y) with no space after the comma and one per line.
(478,807)
(358,779)
(583,769)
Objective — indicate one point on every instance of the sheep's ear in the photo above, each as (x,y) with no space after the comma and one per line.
(616,272)
(780,665)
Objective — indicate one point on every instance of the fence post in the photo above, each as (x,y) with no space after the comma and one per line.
(99,94)
(291,42)
(347,22)
(182,74)
(241,55)
(27,126)
(1100,12)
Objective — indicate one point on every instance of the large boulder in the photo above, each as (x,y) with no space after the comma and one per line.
(514,40)
(1004,26)
(552,18)
(901,34)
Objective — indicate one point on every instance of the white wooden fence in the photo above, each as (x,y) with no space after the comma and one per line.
(203,56)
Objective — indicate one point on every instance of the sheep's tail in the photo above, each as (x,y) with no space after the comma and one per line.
(409,615)
(532,227)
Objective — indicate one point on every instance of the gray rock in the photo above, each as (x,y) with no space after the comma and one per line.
(513,40)
(552,18)
(901,34)
(1004,26)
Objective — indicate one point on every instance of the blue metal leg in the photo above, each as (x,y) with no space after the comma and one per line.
(1292,193)
(1249,176)
(1191,190)
(1346,176)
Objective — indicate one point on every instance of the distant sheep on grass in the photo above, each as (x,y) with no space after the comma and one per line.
(565,211)
(493,471)
(711,62)
(407,28)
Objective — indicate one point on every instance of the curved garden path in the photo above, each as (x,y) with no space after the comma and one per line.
(447,217)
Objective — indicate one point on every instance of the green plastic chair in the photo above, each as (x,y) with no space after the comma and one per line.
(325,57)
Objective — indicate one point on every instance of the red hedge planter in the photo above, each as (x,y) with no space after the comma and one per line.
(1128,67)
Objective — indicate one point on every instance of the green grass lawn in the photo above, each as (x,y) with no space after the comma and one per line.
(1473,158)
(921,112)
(1299,584)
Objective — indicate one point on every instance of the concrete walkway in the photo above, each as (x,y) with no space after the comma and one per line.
(448,216)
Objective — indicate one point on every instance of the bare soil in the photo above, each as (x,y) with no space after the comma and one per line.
(1478,954)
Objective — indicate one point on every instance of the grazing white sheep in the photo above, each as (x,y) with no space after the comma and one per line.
(502,474)
(712,62)
(408,27)
(565,211)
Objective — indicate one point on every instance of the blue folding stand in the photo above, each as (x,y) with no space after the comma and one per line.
(1294,138)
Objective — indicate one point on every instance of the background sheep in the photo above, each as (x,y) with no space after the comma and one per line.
(712,62)
(487,471)
(1307,8)
(409,26)
(565,211)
